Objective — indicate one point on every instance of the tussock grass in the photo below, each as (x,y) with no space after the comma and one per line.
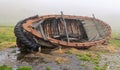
(24,68)
(5,67)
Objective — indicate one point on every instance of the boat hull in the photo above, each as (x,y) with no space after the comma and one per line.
(80,31)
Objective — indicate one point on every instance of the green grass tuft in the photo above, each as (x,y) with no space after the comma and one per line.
(84,57)
(48,68)
(5,67)
(69,52)
(83,65)
(7,37)
(94,60)
(25,68)
(7,34)
(115,42)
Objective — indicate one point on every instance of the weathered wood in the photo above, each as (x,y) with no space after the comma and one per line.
(82,31)
(65,26)
(59,30)
(96,25)
(42,32)
(65,29)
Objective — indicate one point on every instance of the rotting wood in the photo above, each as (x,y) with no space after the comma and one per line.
(65,26)
(56,35)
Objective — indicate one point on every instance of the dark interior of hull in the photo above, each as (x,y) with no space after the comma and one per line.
(55,28)
(72,30)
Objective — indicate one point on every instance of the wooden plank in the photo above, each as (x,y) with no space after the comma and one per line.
(65,26)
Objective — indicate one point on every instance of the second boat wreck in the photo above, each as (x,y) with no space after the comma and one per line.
(51,31)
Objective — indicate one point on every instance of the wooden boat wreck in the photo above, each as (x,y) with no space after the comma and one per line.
(51,31)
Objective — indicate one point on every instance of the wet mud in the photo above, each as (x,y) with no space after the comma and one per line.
(41,61)
(56,60)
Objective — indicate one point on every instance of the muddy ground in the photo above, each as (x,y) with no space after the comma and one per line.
(60,59)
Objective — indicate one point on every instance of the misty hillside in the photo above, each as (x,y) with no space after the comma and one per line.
(13,11)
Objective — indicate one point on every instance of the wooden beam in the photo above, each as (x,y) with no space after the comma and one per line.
(65,26)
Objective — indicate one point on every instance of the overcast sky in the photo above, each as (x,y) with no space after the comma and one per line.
(15,10)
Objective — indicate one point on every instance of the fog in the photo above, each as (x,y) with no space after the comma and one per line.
(11,11)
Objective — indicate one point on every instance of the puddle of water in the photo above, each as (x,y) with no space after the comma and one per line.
(8,54)
(39,61)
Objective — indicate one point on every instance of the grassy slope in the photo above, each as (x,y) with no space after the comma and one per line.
(7,38)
